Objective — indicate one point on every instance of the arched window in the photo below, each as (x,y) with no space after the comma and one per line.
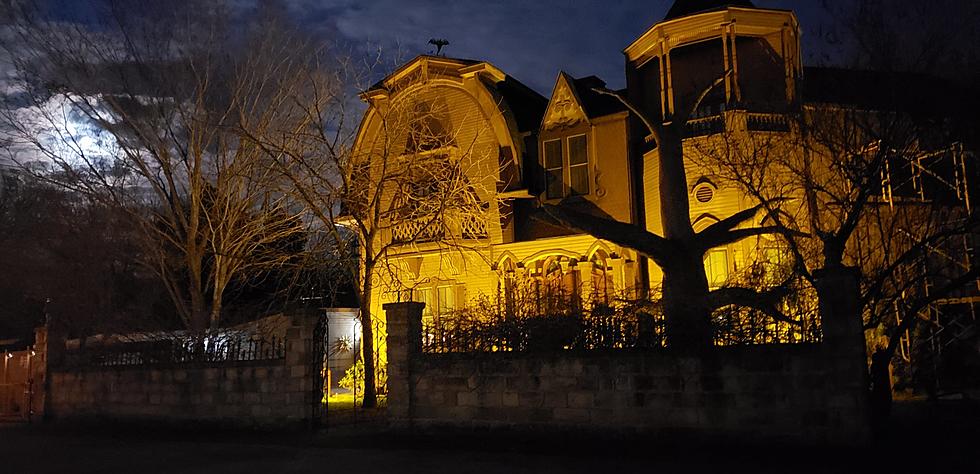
(603,288)
(428,127)
(558,286)
(507,289)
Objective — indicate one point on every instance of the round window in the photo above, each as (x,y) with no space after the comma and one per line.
(704,193)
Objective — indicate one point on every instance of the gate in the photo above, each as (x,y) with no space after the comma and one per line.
(17,386)
(318,369)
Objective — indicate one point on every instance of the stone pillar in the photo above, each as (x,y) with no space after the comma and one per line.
(299,366)
(404,344)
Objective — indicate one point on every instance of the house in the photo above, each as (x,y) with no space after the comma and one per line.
(488,152)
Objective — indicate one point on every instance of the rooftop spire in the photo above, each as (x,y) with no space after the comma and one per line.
(690,7)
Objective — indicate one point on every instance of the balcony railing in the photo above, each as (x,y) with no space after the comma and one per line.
(757,122)
(473,227)
(705,126)
(470,227)
(767,122)
(418,231)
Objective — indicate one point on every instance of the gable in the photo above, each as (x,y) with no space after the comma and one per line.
(565,108)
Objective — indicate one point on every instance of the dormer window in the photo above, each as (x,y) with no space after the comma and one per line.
(566,163)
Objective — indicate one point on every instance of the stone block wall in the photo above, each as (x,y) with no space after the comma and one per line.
(798,392)
(266,394)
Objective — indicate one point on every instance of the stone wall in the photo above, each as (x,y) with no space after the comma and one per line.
(800,392)
(267,394)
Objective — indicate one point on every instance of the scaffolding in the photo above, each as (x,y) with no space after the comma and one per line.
(941,177)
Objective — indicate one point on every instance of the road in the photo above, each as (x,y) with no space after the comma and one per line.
(930,441)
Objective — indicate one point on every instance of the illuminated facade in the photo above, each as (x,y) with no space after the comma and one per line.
(517,149)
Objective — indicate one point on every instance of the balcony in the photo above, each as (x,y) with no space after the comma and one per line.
(733,120)
(451,227)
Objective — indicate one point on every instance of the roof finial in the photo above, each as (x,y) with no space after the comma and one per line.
(438,43)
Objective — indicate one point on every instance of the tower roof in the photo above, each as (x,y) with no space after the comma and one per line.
(690,7)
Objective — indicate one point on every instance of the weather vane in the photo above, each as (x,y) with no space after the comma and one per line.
(438,43)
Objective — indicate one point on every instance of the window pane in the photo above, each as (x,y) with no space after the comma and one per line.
(555,184)
(716,267)
(578,150)
(552,154)
(579,176)
(446,300)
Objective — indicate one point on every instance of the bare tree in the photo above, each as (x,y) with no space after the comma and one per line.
(165,94)
(413,172)
(688,302)
(880,181)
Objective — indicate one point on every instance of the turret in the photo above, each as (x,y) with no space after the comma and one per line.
(751,54)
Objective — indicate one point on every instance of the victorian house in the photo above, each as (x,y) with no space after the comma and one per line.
(490,151)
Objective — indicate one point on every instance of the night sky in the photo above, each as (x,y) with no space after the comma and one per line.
(530,40)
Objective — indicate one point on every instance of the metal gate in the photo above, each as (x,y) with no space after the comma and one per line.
(318,368)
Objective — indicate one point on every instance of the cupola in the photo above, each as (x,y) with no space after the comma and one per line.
(753,53)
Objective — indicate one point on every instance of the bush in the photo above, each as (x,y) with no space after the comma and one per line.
(356,374)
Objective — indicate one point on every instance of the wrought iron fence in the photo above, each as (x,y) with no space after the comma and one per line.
(633,325)
(743,327)
(592,330)
(173,349)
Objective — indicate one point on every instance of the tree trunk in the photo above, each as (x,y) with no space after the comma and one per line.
(685,299)
(685,284)
(199,312)
(881,390)
(367,338)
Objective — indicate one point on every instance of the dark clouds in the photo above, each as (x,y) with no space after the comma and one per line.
(530,40)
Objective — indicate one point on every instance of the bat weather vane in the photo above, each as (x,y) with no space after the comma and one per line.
(438,43)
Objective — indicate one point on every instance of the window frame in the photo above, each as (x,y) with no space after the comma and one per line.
(565,142)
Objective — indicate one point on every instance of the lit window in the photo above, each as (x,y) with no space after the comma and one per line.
(446,300)
(602,281)
(566,163)
(578,164)
(716,267)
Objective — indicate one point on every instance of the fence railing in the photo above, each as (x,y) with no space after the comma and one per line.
(583,331)
(603,329)
(207,349)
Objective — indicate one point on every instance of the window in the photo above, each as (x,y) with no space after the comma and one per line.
(554,170)
(716,267)
(427,128)
(446,299)
(602,281)
(578,164)
(566,161)
(440,301)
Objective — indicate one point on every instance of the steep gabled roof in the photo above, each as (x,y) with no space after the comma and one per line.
(596,104)
(574,100)
(683,8)
(526,105)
